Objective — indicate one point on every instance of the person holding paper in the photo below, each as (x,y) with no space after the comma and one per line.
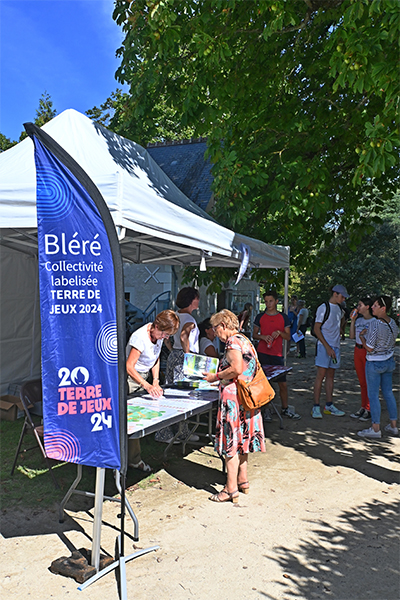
(302,327)
(238,431)
(143,360)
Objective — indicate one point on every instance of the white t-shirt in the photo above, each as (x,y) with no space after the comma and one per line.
(185,318)
(331,328)
(359,325)
(206,343)
(149,352)
(304,316)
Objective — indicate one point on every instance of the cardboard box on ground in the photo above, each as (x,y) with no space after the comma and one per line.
(11,408)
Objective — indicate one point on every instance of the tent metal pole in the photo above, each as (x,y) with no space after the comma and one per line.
(286,308)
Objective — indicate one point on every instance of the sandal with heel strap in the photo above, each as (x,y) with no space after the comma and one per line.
(244,487)
(230,497)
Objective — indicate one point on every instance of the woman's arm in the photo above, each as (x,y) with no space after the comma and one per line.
(211,351)
(133,357)
(234,369)
(352,332)
(186,329)
(299,321)
(363,341)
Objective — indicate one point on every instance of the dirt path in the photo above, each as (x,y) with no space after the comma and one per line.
(321,520)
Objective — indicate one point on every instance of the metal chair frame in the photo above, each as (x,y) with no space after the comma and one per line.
(30,394)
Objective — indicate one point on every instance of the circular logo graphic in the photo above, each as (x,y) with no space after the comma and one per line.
(62,445)
(107,344)
(80,375)
(54,195)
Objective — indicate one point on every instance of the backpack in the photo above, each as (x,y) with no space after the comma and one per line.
(326,317)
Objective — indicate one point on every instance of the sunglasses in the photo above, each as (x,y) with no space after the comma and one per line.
(216,326)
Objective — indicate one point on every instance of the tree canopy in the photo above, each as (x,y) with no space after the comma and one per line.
(44,113)
(372,269)
(298,100)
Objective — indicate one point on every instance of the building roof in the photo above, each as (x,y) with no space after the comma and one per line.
(184,163)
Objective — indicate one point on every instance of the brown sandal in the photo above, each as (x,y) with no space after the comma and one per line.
(231,497)
(244,487)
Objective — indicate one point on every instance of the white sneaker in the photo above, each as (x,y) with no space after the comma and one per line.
(316,412)
(391,430)
(369,433)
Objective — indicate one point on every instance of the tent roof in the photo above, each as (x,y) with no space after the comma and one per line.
(155,221)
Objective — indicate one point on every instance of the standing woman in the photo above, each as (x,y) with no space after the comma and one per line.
(360,321)
(143,360)
(186,339)
(380,342)
(238,432)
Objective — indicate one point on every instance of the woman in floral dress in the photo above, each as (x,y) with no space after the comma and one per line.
(238,432)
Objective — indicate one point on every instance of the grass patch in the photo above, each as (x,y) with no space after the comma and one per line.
(31,486)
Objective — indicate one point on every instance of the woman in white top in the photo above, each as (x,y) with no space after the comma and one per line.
(143,359)
(208,339)
(186,339)
(380,341)
(360,321)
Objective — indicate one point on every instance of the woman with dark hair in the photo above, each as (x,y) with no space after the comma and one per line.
(207,345)
(186,339)
(360,321)
(143,360)
(379,342)
(245,319)
(238,431)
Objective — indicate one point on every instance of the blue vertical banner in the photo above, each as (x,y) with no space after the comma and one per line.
(81,308)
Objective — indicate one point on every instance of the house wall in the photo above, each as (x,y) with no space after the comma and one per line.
(144,282)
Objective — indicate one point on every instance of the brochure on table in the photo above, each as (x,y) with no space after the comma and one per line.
(145,411)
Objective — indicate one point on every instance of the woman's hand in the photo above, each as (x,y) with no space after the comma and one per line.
(210,377)
(154,390)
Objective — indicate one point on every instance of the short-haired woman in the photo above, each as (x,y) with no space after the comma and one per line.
(238,431)
(143,359)
(380,341)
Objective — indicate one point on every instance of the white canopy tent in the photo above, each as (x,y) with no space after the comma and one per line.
(155,221)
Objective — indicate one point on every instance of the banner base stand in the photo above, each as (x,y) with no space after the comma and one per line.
(95,557)
(119,563)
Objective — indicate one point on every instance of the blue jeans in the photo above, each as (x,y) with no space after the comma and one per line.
(379,375)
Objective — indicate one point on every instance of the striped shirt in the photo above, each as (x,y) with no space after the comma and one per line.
(381,336)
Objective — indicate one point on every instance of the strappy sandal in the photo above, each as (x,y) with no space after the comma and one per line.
(230,497)
(244,487)
(141,466)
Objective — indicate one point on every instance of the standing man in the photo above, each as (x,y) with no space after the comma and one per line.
(327,324)
(271,328)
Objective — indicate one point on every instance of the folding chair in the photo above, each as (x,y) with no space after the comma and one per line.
(30,394)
